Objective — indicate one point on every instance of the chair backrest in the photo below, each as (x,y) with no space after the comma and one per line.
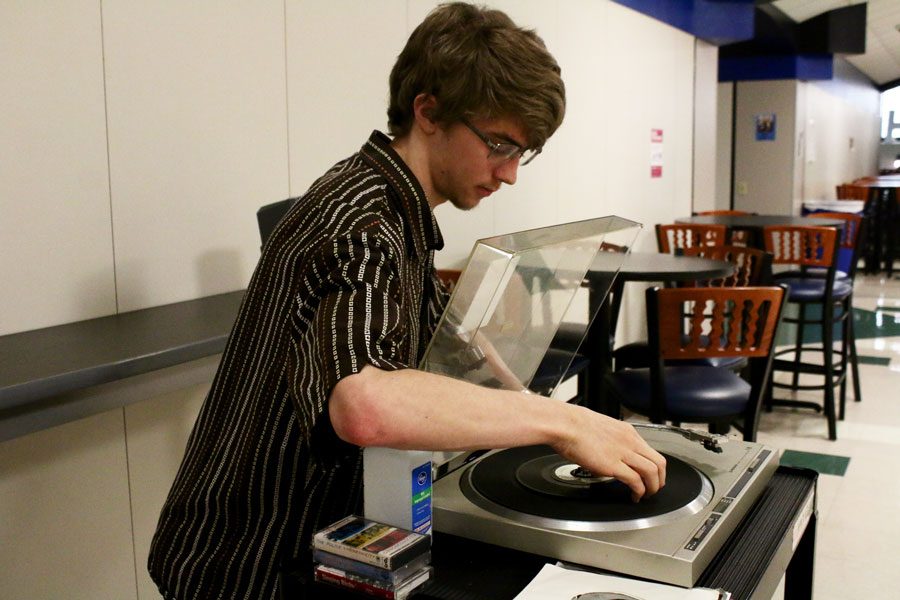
(738,237)
(850,233)
(752,265)
(850,191)
(686,323)
(801,245)
(449,277)
(687,235)
(851,238)
(268,216)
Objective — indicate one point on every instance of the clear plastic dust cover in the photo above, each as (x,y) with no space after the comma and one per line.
(522,305)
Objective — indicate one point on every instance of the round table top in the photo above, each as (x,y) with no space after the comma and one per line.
(760,221)
(653,266)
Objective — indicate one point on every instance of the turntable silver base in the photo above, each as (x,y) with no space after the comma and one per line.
(673,550)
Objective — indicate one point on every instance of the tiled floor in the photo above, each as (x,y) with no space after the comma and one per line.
(858,541)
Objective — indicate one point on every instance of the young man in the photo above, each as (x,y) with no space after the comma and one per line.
(340,309)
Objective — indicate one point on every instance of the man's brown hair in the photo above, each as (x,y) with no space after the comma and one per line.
(478,63)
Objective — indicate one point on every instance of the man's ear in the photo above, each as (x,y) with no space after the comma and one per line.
(424,106)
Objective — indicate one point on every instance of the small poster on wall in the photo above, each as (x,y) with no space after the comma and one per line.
(656,153)
(765,126)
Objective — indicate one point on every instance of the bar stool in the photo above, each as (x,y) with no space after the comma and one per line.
(803,248)
(852,236)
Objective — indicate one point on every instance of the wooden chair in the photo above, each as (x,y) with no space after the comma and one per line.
(449,277)
(852,191)
(737,237)
(702,323)
(805,248)
(753,267)
(682,235)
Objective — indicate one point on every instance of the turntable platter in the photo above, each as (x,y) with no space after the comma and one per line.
(535,485)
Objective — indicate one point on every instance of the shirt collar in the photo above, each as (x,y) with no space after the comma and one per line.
(378,153)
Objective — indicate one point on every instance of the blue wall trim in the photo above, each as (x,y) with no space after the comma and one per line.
(792,66)
(718,22)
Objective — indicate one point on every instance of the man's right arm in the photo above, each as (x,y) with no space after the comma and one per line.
(410,409)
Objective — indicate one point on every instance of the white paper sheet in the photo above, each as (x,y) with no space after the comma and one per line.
(558,583)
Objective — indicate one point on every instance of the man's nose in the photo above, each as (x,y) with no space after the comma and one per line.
(507,171)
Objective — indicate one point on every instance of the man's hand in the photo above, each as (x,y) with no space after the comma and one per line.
(613,448)
(410,409)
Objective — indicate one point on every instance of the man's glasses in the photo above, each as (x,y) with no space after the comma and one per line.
(504,151)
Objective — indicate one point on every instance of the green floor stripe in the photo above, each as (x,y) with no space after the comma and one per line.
(826,464)
(881,361)
(889,308)
(867,324)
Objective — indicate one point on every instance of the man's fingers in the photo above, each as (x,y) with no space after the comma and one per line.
(648,472)
(657,459)
(632,479)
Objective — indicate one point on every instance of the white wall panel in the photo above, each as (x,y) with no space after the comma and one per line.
(642,79)
(157,433)
(841,141)
(339,56)
(56,261)
(724,123)
(582,143)
(650,86)
(706,79)
(198,141)
(64,513)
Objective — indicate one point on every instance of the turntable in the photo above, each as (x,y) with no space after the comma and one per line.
(531,499)
(506,308)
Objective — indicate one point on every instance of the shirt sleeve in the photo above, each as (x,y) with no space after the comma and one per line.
(349,315)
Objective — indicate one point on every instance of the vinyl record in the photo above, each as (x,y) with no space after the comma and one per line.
(533,484)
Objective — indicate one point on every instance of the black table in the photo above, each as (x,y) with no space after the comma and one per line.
(638,266)
(775,539)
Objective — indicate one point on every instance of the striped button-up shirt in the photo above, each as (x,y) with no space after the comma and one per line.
(345,280)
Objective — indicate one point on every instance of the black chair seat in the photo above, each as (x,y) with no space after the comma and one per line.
(570,336)
(814,272)
(637,355)
(557,365)
(812,289)
(692,393)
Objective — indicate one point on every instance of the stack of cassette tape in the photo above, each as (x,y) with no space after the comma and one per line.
(371,558)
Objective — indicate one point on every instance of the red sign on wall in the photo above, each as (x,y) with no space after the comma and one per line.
(656,153)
